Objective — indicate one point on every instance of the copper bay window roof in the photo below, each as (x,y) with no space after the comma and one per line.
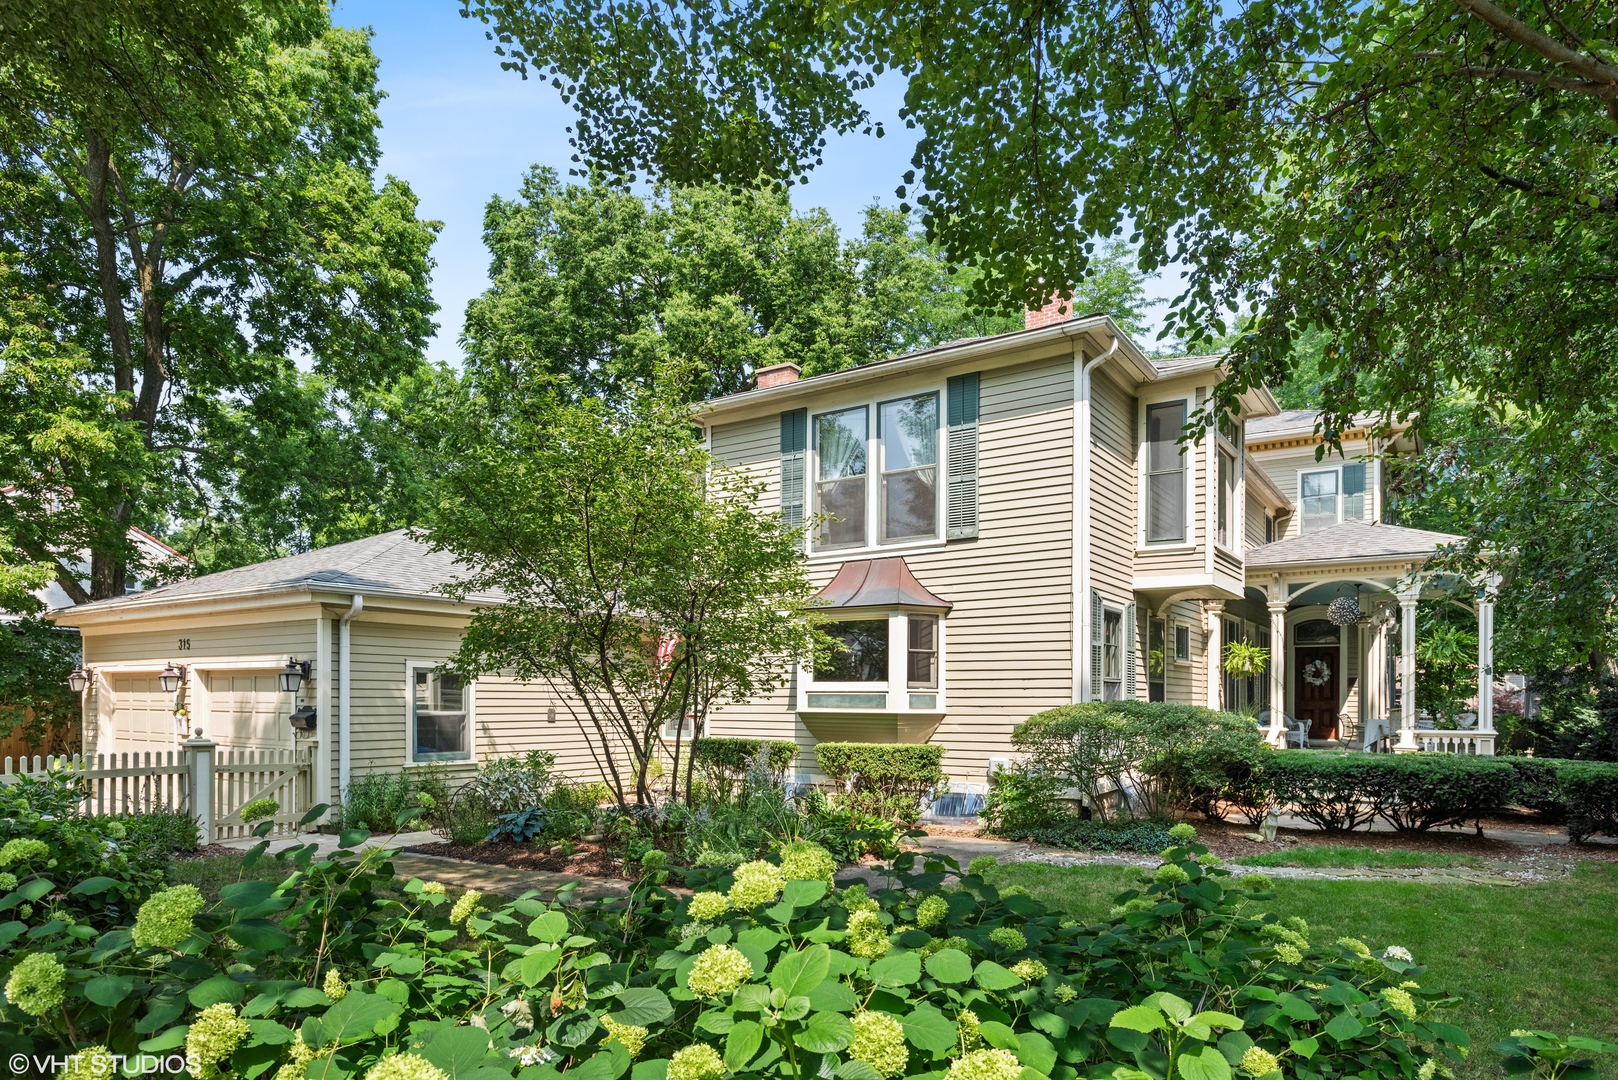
(878,583)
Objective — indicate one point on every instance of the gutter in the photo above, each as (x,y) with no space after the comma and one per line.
(1081,520)
(345,683)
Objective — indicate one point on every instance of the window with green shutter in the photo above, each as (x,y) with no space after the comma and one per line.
(794,443)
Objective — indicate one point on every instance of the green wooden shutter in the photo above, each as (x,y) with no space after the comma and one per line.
(794,442)
(1097,641)
(961,458)
(1129,652)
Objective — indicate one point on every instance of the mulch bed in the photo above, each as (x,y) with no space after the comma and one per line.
(588,860)
(207,851)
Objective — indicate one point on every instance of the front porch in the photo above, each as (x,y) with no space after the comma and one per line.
(1337,611)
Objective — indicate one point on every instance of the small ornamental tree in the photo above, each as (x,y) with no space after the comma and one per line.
(639,583)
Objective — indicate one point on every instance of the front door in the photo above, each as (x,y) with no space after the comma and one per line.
(1314,682)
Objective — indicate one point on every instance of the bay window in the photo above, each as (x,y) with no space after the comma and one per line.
(921,670)
(1165,472)
(859,654)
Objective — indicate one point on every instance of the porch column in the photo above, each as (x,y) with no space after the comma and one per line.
(1486,666)
(1276,736)
(1214,611)
(1407,669)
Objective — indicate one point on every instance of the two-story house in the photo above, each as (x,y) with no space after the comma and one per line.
(998,526)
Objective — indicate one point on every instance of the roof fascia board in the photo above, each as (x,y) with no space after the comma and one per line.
(191,606)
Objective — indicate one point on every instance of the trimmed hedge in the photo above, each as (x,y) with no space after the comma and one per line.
(1536,787)
(724,763)
(1590,793)
(1145,835)
(887,779)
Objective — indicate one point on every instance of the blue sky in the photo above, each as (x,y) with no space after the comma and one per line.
(459,130)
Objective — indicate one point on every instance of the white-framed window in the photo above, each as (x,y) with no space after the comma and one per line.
(1157,659)
(1227,497)
(1182,644)
(908,432)
(1269,528)
(881,662)
(438,715)
(1330,495)
(1112,655)
(1166,463)
(840,468)
(877,473)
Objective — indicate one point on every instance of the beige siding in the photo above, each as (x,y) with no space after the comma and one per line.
(1254,526)
(1284,465)
(1114,522)
(753,447)
(1008,641)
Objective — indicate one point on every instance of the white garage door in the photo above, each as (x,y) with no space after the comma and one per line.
(247,711)
(142,717)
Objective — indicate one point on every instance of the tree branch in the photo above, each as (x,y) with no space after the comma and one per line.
(1531,39)
(70,584)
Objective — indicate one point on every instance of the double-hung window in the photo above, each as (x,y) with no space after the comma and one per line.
(909,432)
(1157,642)
(1227,496)
(1112,656)
(840,478)
(921,670)
(1165,472)
(439,730)
(1332,495)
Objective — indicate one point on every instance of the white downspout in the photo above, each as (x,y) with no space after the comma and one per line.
(345,682)
(1081,521)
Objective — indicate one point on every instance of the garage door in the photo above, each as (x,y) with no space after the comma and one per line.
(247,711)
(142,717)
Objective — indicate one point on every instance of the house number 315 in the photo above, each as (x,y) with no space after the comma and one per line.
(185,644)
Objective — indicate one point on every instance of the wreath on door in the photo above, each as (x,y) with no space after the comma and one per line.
(1317,673)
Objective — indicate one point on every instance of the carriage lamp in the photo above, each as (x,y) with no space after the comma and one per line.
(171,678)
(78,679)
(293,676)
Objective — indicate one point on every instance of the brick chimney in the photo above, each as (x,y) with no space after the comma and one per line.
(1058,310)
(777,375)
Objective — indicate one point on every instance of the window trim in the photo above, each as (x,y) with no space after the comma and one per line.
(874,460)
(895,689)
(469,688)
(1188,538)
(1182,628)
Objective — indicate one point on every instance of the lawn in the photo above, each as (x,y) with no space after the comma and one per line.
(1543,955)
(1316,855)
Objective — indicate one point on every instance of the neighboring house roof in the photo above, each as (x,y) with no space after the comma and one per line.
(878,583)
(392,564)
(1301,423)
(1348,541)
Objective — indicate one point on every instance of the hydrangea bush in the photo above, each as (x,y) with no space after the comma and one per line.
(339,970)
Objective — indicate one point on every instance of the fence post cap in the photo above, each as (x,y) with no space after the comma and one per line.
(199,743)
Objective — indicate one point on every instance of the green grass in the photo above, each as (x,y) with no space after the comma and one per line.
(1543,955)
(213,873)
(1313,855)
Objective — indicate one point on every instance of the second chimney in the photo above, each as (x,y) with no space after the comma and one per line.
(1058,310)
(778,375)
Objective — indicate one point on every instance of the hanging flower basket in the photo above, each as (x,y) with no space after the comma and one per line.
(1344,611)
(1317,673)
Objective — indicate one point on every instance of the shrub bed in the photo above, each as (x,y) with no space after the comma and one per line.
(1590,793)
(338,970)
(888,780)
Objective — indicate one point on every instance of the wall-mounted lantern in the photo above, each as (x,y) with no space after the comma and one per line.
(172,677)
(78,679)
(293,676)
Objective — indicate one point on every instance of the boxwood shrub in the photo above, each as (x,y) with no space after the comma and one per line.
(887,779)
(723,763)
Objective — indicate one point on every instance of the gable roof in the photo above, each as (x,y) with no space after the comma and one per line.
(391,564)
(1348,541)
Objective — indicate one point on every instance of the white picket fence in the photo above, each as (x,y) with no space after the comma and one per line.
(209,785)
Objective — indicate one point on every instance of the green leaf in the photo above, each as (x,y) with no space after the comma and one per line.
(929,1029)
(716,1021)
(574,1029)
(742,1042)
(857,1070)
(1217,1020)
(991,976)
(92,886)
(799,972)
(259,934)
(304,997)
(832,996)
(550,927)
(1138,1018)
(803,893)
(1049,1023)
(643,1006)
(537,964)
(1035,1051)
(1175,1008)
(167,1040)
(313,812)
(29,891)
(650,1070)
(1294,1007)
(353,838)
(896,969)
(1205,1064)
(246,894)
(459,1051)
(215,990)
(826,1033)
(1344,1027)
(108,990)
(357,1016)
(998,1035)
(950,966)
(609,1063)
(1305,1048)
(10,931)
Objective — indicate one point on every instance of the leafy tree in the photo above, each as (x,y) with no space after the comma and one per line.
(188,204)
(638,581)
(1429,184)
(35,700)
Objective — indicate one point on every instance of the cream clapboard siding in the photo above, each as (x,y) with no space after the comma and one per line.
(1253,531)
(1284,465)
(1187,683)
(260,644)
(1114,523)
(1008,641)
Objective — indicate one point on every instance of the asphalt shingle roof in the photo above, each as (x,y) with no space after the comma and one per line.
(1349,541)
(392,563)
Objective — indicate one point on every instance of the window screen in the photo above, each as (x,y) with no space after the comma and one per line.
(1318,491)
(1165,472)
(921,669)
